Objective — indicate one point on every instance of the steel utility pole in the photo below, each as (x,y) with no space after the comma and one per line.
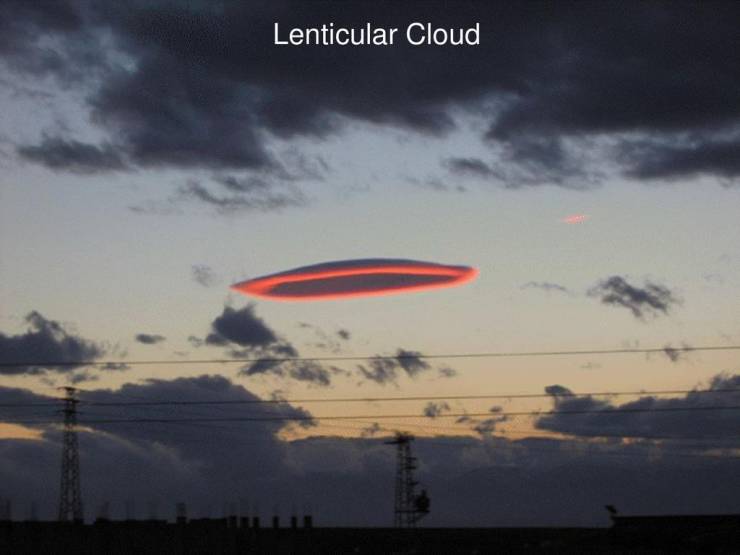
(409,508)
(70,499)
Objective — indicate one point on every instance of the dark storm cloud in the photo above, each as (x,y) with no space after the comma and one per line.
(149,339)
(604,416)
(246,335)
(44,343)
(63,154)
(241,326)
(198,389)
(16,396)
(262,366)
(468,166)
(651,300)
(206,85)
(705,155)
(411,362)
(190,117)
(51,38)
(545,286)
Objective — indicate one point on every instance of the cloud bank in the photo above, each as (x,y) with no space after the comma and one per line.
(349,481)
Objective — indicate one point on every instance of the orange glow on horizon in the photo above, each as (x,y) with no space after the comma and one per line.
(16,431)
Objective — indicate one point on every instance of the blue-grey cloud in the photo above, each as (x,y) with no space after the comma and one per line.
(114,366)
(603,416)
(242,327)
(260,200)
(45,343)
(371,430)
(379,370)
(447,372)
(306,371)
(545,286)
(676,354)
(412,362)
(704,154)
(246,335)
(149,338)
(387,369)
(433,409)
(474,167)
(650,300)
(203,275)
(69,155)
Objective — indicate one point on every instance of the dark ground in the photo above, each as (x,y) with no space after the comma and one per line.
(661,534)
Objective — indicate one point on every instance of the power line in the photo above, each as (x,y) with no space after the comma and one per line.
(168,402)
(543,433)
(299,418)
(363,422)
(413,356)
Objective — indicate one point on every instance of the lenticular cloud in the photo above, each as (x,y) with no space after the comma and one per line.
(355,278)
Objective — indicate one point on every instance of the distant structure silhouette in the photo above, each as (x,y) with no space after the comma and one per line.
(409,508)
(70,498)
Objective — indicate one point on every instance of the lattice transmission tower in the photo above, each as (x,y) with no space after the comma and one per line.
(409,507)
(70,498)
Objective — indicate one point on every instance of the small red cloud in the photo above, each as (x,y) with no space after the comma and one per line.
(575,219)
(355,278)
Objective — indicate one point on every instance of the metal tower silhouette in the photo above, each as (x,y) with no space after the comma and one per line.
(409,507)
(70,499)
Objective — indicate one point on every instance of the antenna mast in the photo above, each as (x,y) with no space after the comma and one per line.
(409,507)
(70,499)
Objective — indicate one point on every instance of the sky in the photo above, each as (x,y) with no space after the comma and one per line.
(155,155)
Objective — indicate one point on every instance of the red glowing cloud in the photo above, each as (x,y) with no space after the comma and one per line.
(355,278)
(575,219)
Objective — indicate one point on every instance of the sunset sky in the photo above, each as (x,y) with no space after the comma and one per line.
(151,157)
